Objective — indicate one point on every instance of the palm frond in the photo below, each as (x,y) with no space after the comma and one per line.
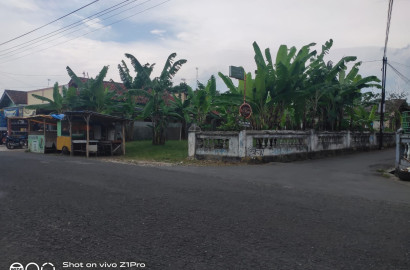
(74,77)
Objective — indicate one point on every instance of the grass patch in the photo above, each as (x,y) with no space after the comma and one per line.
(172,151)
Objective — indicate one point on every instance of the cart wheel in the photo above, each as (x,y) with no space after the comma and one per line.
(9,145)
(65,151)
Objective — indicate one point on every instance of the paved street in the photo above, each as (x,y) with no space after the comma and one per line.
(334,213)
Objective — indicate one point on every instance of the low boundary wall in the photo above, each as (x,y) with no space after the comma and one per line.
(271,145)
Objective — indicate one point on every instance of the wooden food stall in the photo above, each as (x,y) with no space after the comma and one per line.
(42,133)
(17,127)
(89,132)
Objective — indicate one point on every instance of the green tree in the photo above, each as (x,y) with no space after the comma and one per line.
(155,90)
(299,88)
(181,106)
(92,95)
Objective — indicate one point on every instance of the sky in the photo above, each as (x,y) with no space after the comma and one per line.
(211,35)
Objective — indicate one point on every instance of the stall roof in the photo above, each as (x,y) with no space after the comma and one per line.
(96,114)
(40,118)
(46,116)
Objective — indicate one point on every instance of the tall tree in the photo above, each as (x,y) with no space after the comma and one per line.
(155,91)
(299,87)
(92,93)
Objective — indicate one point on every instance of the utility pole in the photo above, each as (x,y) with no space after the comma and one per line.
(384,67)
(197,84)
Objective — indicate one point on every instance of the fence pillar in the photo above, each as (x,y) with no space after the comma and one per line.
(348,139)
(242,144)
(312,141)
(398,133)
(192,139)
(191,143)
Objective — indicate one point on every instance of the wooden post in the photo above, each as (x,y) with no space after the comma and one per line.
(71,136)
(123,137)
(44,132)
(87,120)
(9,127)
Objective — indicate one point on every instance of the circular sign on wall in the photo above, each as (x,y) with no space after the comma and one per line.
(245,110)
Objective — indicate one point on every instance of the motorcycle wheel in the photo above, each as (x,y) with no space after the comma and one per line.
(65,151)
(24,144)
(9,145)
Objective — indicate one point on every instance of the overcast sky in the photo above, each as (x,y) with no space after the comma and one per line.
(210,34)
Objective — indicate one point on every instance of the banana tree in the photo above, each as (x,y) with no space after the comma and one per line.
(182,108)
(92,95)
(155,91)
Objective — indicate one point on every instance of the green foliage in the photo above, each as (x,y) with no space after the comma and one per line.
(173,151)
(154,90)
(363,119)
(92,95)
(299,90)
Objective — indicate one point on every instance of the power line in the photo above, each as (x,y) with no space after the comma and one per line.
(400,64)
(371,61)
(15,79)
(13,74)
(90,31)
(48,23)
(389,12)
(384,73)
(30,87)
(6,55)
(404,78)
(68,27)
(9,54)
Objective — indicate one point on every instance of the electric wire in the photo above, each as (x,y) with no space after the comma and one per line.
(10,53)
(32,75)
(13,78)
(8,41)
(72,25)
(115,22)
(404,65)
(403,77)
(371,61)
(389,13)
(28,87)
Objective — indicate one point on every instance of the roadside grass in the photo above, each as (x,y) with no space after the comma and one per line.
(172,151)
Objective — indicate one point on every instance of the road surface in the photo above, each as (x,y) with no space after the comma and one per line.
(334,213)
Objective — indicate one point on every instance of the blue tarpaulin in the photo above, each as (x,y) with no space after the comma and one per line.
(3,122)
(58,116)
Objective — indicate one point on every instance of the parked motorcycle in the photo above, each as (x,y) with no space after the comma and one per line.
(3,136)
(16,142)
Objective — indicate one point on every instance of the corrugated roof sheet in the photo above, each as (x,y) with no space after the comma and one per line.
(18,97)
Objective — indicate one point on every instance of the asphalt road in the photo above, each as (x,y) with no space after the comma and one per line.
(334,213)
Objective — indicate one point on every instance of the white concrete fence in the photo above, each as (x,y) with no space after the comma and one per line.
(270,144)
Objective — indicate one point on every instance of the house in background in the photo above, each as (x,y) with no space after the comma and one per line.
(13,98)
(119,88)
(13,102)
(392,117)
(44,92)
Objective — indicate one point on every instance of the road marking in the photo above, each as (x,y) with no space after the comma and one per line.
(81,162)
